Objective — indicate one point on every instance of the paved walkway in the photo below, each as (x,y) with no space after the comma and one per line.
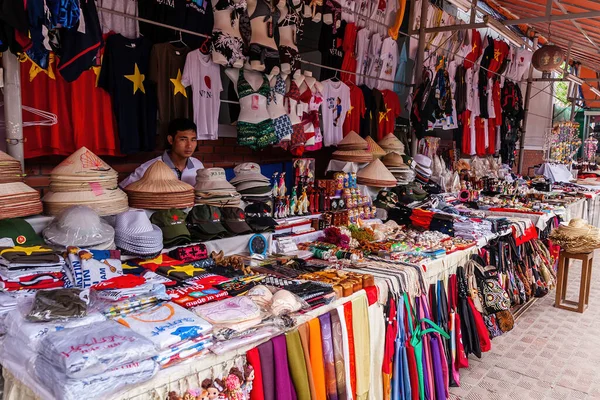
(550,353)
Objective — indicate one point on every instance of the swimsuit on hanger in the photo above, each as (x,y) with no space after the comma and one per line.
(255,135)
(229,46)
(267,56)
(283,125)
(287,54)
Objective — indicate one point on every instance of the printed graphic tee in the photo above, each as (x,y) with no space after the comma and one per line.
(389,63)
(356,111)
(331,46)
(336,97)
(204,77)
(387,118)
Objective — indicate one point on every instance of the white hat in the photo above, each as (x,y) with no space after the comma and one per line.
(248,172)
(79,226)
(208,179)
(136,234)
(423,160)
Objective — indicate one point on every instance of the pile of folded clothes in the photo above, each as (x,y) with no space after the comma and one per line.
(177,334)
(30,267)
(85,268)
(471,228)
(213,189)
(79,362)
(251,184)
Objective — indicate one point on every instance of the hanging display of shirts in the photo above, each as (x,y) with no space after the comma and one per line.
(387,118)
(336,95)
(165,12)
(331,46)
(356,111)
(204,78)
(122,24)
(362,46)
(166,67)
(389,62)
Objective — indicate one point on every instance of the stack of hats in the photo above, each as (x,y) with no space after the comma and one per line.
(204,223)
(19,232)
(234,220)
(136,235)
(353,148)
(84,179)
(213,189)
(159,189)
(80,226)
(376,174)
(259,217)
(375,150)
(391,143)
(395,164)
(251,184)
(10,169)
(172,223)
(16,198)
(422,168)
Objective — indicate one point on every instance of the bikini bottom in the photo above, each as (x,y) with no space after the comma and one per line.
(265,55)
(298,139)
(256,136)
(228,46)
(289,55)
(283,127)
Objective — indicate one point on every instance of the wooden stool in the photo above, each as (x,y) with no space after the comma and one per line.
(562,278)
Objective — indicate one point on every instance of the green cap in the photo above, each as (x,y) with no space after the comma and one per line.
(21,233)
(207,219)
(173,226)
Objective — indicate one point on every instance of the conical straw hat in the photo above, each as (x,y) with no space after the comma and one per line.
(393,159)
(83,163)
(10,169)
(159,178)
(359,156)
(107,202)
(353,141)
(374,148)
(376,174)
(391,143)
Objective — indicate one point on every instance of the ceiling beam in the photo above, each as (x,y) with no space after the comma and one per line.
(552,18)
(450,28)
(576,25)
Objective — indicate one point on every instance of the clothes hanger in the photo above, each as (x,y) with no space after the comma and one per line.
(48,118)
(180,40)
(335,77)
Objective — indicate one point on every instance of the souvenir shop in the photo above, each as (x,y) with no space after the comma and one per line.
(365,238)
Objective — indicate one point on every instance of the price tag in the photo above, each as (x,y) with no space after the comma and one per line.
(255,100)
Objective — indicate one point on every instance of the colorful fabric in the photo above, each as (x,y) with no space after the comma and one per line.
(298,371)
(328,357)
(256,135)
(316,358)
(253,358)
(267,365)
(86,268)
(376,330)
(362,343)
(346,350)
(338,353)
(283,381)
(200,290)
(304,332)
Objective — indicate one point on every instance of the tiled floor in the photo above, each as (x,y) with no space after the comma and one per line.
(550,353)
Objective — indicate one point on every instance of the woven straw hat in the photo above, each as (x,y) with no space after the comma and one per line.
(577,237)
(353,141)
(10,169)
(159,178)
(374,148)
(84,163)
(376,174)
(358,156)
(104,202)
(393,159)
(391,143)
(18,200)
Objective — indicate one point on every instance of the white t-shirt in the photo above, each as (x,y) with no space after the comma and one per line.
(389,63)
(336,97)
(127,27)
(362,46)
(205,78)
(374,60)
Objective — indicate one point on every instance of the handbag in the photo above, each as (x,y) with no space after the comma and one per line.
(495,298)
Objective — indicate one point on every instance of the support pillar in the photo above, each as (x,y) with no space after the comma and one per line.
(526,111)
(13,116)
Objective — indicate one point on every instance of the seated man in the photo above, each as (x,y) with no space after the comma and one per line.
(182,144)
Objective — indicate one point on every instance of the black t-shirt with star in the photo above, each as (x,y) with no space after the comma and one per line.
(123,75)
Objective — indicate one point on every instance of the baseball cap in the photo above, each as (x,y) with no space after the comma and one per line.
(172,223)
(204,222)
(258,216)
(234,220)
(20,232)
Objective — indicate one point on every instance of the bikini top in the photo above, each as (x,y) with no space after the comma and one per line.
(237,8)
(263,9)
(278,88)
(245,89)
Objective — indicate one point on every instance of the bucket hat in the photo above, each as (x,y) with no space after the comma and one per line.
(135,234)
(79,226)
(209,179)
(173,226)
(248,172)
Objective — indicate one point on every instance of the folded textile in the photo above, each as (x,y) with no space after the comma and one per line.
(9,300)
(200,290)
(86,268)
(121,302)
(235,310)
(30,255)
(95,386)
(32,333)
(183,350)
(166,324)
(16,274)
(49,305)
(248,337)
(49,280)
(83,352)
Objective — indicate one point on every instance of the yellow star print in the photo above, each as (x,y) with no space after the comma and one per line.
(350,110)
(97,72)
(497,54)
(384,115)
(137,79)
(179,88)
(187,269)
(36,69)
(27,250)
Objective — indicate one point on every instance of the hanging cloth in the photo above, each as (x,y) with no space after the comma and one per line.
(283,381)
(253,358)
(351,345)
(362,349)
(316,357)
(298,370)
(305,339)
(328,357)
(268,369)
(338,353)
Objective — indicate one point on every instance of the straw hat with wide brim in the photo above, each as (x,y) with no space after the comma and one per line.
(353,141)
(358,156)
(83,163)
(10,169)
(18,200)
(374,148)
(159,178)
(104,202)
(376,174)
(391,143)
(577,237)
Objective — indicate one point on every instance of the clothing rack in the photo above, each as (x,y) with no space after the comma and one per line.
(207,36)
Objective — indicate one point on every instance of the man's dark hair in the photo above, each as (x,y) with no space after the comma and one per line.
(180,124)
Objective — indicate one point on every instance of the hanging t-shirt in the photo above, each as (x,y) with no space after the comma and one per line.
(331,48)
(365,120)
(198,18)
(349,61)
(377,111)
(389,63)
(362,46)
(374,61)
(168,12)
(204,77)
(356,112)
(127,27)
(123,75)
(387,118)
(166,68)
(336,106)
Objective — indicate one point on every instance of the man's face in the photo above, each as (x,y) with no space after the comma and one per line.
(183,143)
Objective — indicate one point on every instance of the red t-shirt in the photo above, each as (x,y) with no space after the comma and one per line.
(349,61)
(387,119)
(357,110)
